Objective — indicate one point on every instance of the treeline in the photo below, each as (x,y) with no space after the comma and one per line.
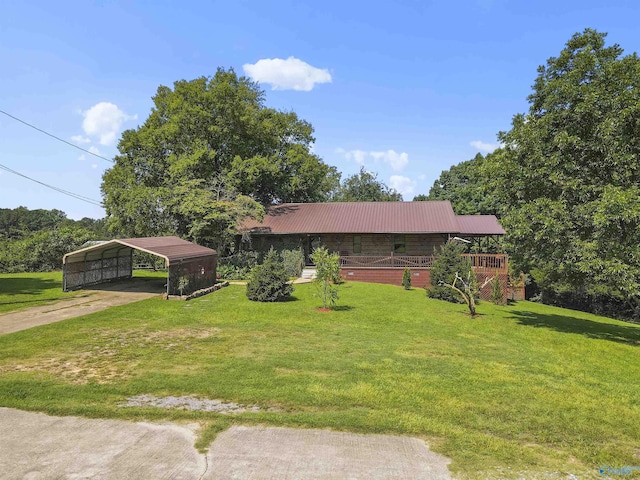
(36,240)
(565,181)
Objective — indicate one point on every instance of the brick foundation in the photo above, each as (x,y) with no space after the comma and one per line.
(420,278)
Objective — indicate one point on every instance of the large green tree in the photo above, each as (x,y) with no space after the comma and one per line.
(365,187)
(569,173)
(210,153)
(465,187)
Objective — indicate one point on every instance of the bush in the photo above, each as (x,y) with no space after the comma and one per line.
(497,294)
(269,282)
(447,263)
(293,261)
(238,266)
(406,279)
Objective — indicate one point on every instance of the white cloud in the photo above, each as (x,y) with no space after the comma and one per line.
(289,74)
(103,121)
(94,165)
(94,150)
(404,185)
(483,147)
(80,139)
(397,160)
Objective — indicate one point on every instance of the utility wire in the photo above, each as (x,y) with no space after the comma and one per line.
(65,192)
(58,138)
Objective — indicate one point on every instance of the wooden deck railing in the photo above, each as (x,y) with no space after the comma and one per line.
(480,262)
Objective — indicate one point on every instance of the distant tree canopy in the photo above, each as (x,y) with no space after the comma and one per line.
(365,187)
(568,177)
(36,240)
(210,153)
(465,186)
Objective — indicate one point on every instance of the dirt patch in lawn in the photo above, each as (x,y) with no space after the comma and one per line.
(189,402)
(113,356)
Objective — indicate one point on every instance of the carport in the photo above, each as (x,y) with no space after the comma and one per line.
(190,267)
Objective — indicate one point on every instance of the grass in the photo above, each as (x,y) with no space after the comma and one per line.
(24,290)
(523,388)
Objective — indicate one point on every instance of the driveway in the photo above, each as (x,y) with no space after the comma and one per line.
(95,299)
(38,446)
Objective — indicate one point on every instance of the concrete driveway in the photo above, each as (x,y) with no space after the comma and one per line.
(94,299)
(37,446)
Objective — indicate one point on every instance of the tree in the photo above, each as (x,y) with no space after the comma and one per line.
(209,153)
(568,175)
(448,263)
(421,198)
(327,274)
(465,186)
(269,281)
(365,187)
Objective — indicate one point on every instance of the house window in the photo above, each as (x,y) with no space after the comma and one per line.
(399,245)
(357,244)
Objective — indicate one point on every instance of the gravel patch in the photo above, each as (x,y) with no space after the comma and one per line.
(189,402)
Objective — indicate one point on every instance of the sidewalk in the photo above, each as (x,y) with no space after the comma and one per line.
(34,445)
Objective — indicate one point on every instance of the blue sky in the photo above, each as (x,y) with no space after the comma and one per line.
(405,88)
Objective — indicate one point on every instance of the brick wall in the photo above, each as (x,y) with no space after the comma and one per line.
(419,278)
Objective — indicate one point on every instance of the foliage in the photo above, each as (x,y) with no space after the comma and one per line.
(327,274)
(269,281)
(238,265)
(365,187)
(448,262)
(406,279)
(497,292)
(466,188)
(293,261)
(41,251)
(568,175)
(488,404)
(209,154)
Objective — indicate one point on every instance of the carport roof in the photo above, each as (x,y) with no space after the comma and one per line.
(172,249)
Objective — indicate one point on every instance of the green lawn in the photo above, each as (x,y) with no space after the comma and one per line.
(23,290)
(524,388)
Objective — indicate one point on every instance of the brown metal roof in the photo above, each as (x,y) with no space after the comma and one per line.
(356,217)
(479,225)
(172,249)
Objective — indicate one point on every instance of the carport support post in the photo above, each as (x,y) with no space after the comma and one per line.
(168,278)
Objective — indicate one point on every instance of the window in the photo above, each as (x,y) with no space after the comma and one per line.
(399,245)
(357,244)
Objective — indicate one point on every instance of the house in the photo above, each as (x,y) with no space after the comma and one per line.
(376,241)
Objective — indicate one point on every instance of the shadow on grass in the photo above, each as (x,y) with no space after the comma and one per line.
(565,324)
(27,285)
(341,308)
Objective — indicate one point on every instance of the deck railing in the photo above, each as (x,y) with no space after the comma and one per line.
(479,262)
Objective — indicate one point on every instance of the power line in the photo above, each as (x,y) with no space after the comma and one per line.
(60,190)
(58,138)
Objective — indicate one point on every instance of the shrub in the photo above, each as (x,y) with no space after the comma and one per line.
(406,279)
(447,263)
(293,261)
(497,294)
(268,282)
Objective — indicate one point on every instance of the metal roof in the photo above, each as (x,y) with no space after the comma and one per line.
(172,249)
(356,217)
(479,225)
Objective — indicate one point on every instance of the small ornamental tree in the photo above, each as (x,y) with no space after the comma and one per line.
(268,282)
(406,279)
(327,274)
